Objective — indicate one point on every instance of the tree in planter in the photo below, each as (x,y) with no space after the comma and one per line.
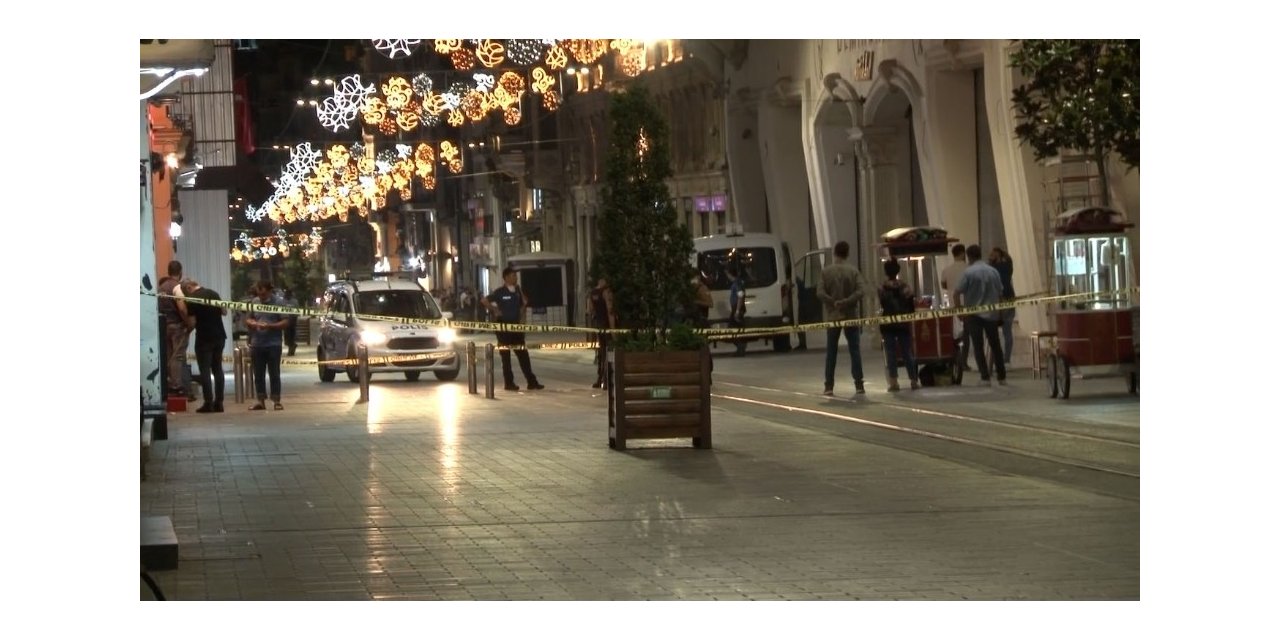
(1079,95)
(645,251)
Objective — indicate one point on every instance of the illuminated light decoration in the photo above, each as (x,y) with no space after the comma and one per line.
(473,106)
(387,127)
(623,44)
(366,165)
(455,166)
(407,120)
(525,52)
(379,202)
(512,82)
(587,51)
(551,100)
(557,58)
(338,155)
(456,118)
(429,182)
(435,104)
(542,80)
(333,117)
(642,143)
(397,93)
(633,63)
(491,53)
(453,100)
(447,46)
(484,81)
(463,59)
(424,155)
(357,150)
(511,116)
(396,48)
(421,84)
(388,156)
(375,111)
(430,120)
(449,150)
(403,151)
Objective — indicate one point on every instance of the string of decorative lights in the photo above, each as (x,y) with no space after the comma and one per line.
(248,249)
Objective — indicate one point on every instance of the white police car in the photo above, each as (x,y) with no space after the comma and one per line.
(427,347)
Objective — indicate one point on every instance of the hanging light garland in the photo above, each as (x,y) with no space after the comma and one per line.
(248,249)
(395,48)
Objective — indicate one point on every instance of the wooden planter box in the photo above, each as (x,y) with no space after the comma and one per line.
(662,394)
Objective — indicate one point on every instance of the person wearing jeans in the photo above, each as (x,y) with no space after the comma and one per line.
(840,290)
(897,298)
(980,285)
(265,345)
(211,337)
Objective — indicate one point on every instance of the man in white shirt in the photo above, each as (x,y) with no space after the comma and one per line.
(950,284)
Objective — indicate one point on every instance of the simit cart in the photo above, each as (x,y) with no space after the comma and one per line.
(933,339)
(1094,336)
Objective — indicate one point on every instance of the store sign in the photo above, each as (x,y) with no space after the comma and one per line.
(702,204)
(717,202)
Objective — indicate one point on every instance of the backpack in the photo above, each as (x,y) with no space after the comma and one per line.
(893,301)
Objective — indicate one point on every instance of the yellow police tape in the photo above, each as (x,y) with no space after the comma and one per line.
(726,333)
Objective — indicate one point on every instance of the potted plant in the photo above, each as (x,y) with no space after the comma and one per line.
(660,368)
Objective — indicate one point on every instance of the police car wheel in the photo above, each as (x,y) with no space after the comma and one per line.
(326,374)
(447,375)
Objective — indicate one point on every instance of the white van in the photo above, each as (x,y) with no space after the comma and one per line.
(341,329)
(764,261)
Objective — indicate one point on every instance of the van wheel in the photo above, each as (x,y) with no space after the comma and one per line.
(326,374)
(412,376)
(448,375)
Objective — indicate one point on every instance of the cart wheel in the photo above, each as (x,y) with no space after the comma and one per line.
(957,370)
(1064,378)
(925,373)
(1051,374)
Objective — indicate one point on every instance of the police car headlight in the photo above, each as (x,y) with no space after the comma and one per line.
(373,338)
(446,336)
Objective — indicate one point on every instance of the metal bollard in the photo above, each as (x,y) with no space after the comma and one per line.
(237,372)
(488,371)
(362,354)
(471,367)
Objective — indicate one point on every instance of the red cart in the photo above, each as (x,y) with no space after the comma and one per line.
(1095,336)
(933,339)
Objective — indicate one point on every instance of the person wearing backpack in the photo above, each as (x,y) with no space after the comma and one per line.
(896,298)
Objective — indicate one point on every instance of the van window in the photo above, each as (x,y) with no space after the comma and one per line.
(757,265)
(397,302)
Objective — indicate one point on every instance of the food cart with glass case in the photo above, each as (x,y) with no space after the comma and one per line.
(932,339)
(1094,336)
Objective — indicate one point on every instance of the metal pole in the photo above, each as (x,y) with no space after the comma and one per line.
(362,354)
(471,367)
(248,372)
(488,371)
(237,372)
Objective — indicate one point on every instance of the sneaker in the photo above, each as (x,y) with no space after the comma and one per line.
(279,407)
(828,391)
(597,384)
(1002,382)
(258,407)
(860,389)
(217,407)
(206,408)
(893,386)
(533,386)
(511,387)
(915,384)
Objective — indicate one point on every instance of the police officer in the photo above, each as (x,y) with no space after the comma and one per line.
(507,304)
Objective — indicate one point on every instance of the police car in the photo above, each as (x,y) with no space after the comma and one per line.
(417,345)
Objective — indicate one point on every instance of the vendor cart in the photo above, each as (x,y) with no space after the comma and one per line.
(1094,336)
(932,339)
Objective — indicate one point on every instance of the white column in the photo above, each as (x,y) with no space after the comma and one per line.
(153,402)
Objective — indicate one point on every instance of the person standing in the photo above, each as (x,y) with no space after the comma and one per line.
(1003,264)
(840,289)
(177,330)
(950,282)
(265,342)
(980,285)
(896,297)
(737,308)
(291,331)
(507,304)
(211,338)
(600,305)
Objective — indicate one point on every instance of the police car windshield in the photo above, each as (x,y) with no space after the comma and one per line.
(404,303)
(756,265)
